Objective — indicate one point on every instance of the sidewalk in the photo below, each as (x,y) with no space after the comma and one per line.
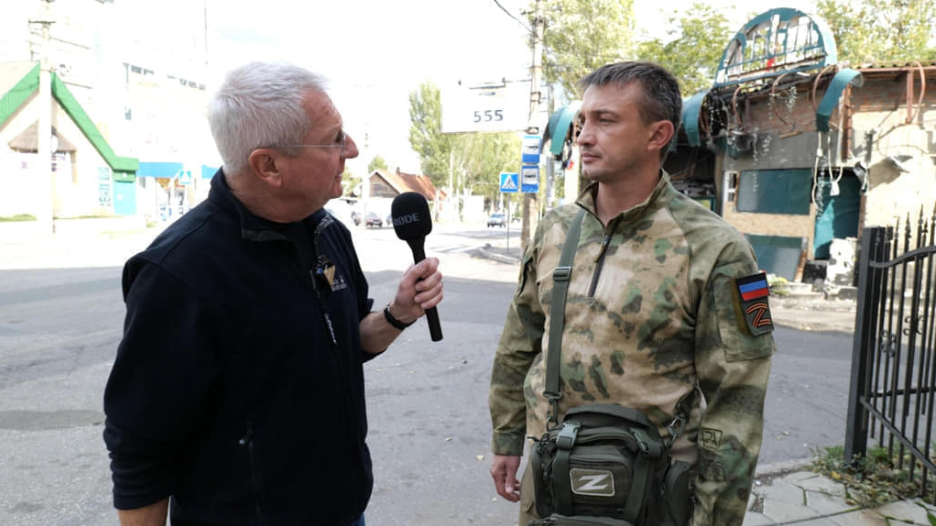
(788,493)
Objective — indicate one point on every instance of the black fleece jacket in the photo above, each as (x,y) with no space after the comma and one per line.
(228,392)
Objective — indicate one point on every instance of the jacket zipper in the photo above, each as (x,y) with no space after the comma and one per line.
(247,440)
(599,262)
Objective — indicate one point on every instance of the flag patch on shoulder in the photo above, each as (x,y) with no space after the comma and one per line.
(752,293)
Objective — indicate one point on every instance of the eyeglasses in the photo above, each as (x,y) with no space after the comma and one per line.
(341,143)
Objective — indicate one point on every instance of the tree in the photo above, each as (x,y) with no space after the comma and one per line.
(491,154)
(881,30)
(376,163)
(693,48)
(583,35)
(426,138)
(349,182)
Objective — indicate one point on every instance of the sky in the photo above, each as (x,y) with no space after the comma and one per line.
(375,52)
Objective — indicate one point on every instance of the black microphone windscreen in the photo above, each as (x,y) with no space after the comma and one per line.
(410,215)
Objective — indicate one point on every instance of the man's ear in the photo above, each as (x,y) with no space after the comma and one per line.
(262,163)
(660,134)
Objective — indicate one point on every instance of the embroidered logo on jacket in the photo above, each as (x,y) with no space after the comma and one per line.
(752,294)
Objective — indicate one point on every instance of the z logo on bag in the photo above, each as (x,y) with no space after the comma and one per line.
(592,482)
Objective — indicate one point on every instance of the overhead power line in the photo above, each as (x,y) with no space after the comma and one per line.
(524,26)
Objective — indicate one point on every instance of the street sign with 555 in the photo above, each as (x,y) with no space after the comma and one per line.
(497,108)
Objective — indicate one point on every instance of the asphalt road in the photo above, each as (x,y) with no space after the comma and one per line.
(60,319)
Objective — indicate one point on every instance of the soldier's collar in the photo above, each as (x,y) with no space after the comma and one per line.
(587,199)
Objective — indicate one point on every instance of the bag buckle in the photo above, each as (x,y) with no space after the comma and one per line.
(641,443)
(552,414)
(676,428)
(566,437)
(562,273)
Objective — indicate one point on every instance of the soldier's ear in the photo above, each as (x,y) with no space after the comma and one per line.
(659,135)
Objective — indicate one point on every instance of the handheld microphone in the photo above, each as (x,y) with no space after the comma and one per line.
(412,223)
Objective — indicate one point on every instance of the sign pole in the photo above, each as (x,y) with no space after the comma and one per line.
(508,224)
(529,200)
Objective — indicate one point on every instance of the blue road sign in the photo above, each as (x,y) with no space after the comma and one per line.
(184,177)
(531,149)
(509,182)
(529,177)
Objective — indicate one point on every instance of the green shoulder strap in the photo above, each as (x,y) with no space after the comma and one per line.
(561,277)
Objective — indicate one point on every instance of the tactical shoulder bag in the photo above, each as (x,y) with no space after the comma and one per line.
(604,465)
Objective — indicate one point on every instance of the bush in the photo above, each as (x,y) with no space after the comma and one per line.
(17,217)
(874,480)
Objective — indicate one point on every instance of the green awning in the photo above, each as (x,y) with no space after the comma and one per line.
(558,127)
(692,109)
(11,101)
(77,113)
(830,100)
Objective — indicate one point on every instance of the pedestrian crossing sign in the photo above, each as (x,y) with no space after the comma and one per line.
(509,182)
(184,177)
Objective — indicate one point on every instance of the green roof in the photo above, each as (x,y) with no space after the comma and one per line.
(18,94)
(24,89)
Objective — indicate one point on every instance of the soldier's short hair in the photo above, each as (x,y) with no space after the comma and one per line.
(661,97)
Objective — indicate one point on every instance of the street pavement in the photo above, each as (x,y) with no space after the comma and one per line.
(784,492)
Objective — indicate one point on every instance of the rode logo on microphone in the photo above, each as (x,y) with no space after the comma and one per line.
(406,220)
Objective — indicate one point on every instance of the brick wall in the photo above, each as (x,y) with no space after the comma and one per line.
(879,130)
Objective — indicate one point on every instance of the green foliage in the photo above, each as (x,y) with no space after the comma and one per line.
(434,148)
(693,47)
(17,217)
(464,163)
(583,35)
(881,30)
(350,182)
(376,163)
(874,480)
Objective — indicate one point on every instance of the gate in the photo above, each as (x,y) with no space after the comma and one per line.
(893,376)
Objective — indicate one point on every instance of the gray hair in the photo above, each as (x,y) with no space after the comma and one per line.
(661,97)
(260,105)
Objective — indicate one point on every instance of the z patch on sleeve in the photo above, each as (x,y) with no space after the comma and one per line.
(752,295)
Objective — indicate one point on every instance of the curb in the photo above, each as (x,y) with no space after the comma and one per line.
(497,257)
(784,466)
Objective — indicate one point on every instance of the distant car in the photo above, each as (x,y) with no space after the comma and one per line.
(372,219)
(496,219)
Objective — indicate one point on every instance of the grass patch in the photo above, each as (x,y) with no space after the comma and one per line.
(89,216)
(17,217)
(874,480)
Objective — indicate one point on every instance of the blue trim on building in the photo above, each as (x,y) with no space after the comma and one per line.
(830,100)
(692,109)
(163,170)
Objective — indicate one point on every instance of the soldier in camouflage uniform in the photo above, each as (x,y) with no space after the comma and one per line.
(653,308)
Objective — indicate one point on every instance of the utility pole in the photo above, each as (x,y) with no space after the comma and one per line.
(529,200)
(43,168)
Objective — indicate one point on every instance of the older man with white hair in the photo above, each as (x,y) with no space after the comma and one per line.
(237,394)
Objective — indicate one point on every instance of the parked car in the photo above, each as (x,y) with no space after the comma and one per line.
(372,219)
(496,219)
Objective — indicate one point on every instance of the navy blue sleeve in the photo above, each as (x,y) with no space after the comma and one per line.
(158,385)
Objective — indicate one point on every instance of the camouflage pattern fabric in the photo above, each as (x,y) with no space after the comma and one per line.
(650,316)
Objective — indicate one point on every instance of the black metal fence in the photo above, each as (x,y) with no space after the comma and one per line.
(893,376)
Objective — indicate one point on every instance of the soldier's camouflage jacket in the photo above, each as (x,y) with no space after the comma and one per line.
(652,312)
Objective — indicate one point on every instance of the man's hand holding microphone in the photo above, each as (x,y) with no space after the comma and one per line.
(420,289)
